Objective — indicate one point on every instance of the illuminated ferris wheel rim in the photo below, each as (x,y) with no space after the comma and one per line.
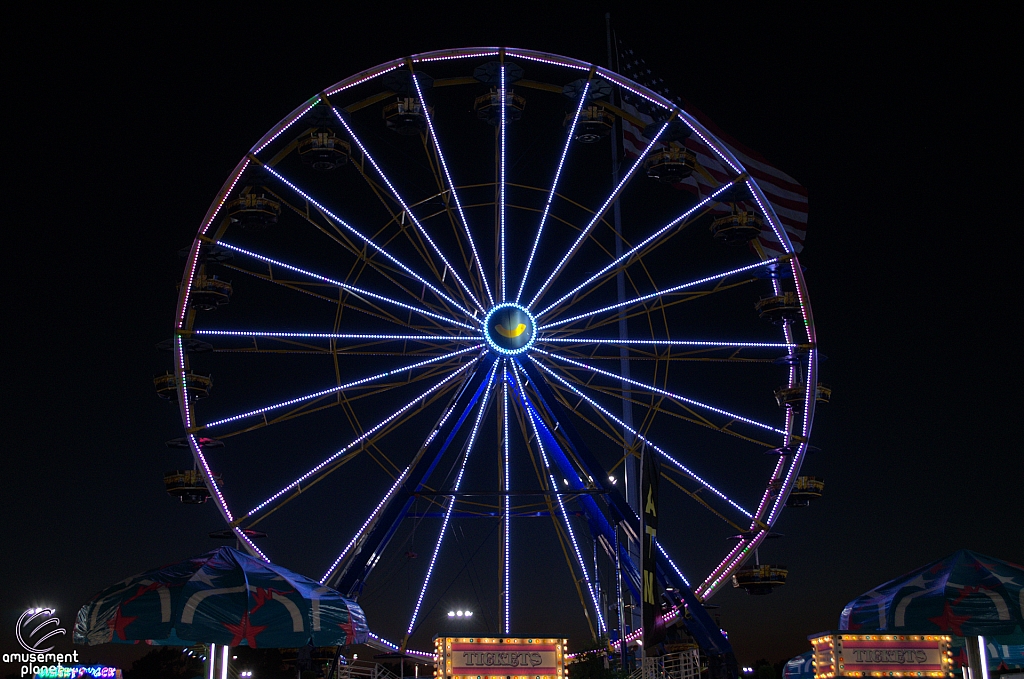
(536,324)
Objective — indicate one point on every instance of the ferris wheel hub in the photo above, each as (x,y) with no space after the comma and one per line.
(509,329)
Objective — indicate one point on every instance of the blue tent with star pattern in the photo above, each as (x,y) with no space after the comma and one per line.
(223,597)
(965,594)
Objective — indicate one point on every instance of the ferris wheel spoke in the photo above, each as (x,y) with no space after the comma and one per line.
(368,241)
(663,392)
(624,258)
(597,216)
(405,207)
(527,407)
(344,286)
(367,259)
(680,466)
(326,466)
(432,133)
(363,338)
(342,299)
(336,389)
(641,353)
(655,295)
(554,186)
(655,343)
(506,614)
(451,502)
(313,406)
(368,525)
(672,563)
(502,152)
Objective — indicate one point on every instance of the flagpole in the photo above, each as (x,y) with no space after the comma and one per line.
(630,466)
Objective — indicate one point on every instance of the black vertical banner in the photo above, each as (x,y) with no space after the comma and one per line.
(650,474)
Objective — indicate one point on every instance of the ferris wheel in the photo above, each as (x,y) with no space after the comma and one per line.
(431,321)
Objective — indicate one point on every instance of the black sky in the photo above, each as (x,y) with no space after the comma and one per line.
(123,125)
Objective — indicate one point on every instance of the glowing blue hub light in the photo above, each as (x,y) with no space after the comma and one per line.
(509,329)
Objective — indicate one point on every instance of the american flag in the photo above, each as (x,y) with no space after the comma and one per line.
(788,198)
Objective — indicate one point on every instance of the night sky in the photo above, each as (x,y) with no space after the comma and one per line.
(125,127)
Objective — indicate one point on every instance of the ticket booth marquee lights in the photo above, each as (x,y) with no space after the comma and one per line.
(825,645)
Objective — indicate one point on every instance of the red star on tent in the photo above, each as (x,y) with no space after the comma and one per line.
(349,630)
(151,587)
(961,658)
(243,630)
(120,622)
(966,592)
(950,621)
(262,595)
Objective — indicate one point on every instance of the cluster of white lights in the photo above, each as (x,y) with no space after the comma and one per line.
(591,587)
(433,288)
(597,216)
(451,185)
(460,614)
(451,502)
(358,80)
(347,385)
(405,206)
(636,248)
(309,107)
(449,57)
(783,239)
(223,199)
(245,673)
(357,441)
(634,432)
(554,186)
(344,286)
(652,295)
(657,390)
(579,66)
(197,452)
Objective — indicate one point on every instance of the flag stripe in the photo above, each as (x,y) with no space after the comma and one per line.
(788,198)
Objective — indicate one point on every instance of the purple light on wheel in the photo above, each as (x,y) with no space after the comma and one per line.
(360,79)
(362,437)
(554,186)
(451,504)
